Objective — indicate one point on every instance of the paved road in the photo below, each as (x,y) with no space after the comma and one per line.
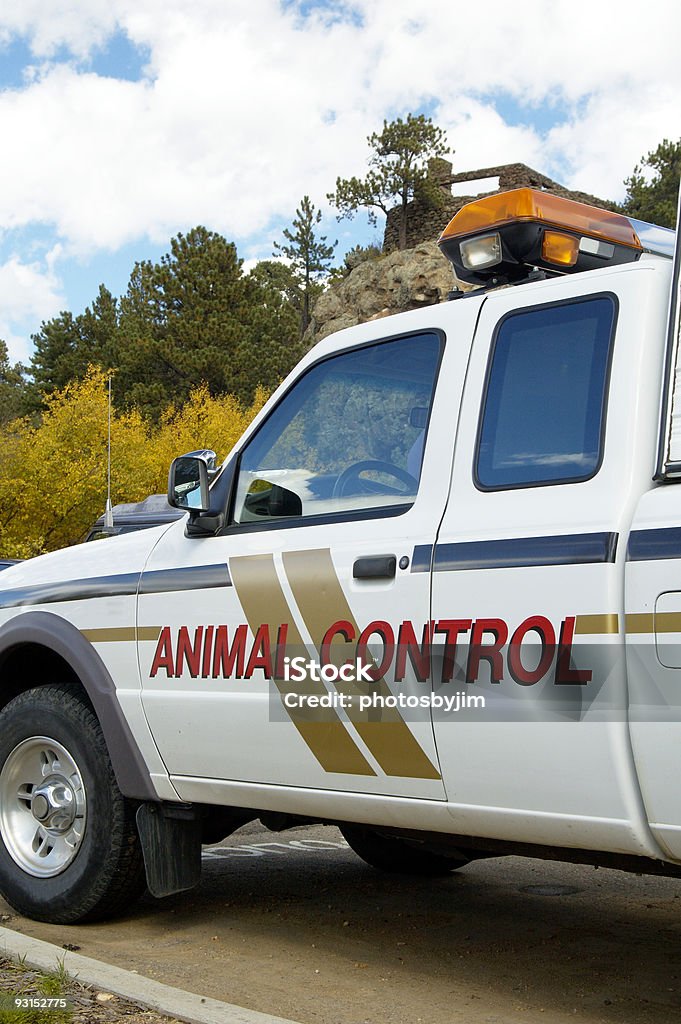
(294,924)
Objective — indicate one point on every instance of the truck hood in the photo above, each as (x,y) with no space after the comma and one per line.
(114,556)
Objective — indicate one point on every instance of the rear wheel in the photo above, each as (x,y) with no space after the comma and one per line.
(397,854)
(69,848)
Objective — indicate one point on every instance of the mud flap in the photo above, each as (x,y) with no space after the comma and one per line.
(171,845)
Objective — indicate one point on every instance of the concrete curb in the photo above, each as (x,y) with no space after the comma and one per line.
(174,1002)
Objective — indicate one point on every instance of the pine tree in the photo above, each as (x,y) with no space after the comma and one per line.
(398,170)
(12,387)
(653,198)
(310,256)
(194,317)
(67,345)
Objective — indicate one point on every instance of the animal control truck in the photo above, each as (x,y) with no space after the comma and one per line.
(433,596)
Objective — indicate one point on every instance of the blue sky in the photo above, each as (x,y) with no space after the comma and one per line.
(126,121)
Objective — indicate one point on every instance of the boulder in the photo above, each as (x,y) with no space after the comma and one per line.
(416,277)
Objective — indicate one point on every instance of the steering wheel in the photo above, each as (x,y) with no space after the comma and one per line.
(353,472)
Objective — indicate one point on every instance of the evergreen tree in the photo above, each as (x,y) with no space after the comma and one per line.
(279,284)
(653,197)
(310,256)
(194,317)
(398,170)
(12,385)
(66,345)
(55,360)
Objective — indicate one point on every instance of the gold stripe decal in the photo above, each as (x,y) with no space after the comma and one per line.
(639,622)
(653,622)
(588,625)
(264,603)
(321,600)
(119,634)
(634,622)
(668,622)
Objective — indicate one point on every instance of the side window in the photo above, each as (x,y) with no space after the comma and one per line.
(348,437)
(544,405)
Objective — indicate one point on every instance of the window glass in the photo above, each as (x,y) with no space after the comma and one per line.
(546,394)
(349,436)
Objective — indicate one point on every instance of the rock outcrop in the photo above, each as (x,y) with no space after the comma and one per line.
(410,279)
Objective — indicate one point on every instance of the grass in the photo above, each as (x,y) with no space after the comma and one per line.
(19,982)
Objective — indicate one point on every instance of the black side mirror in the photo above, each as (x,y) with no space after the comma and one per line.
(188,483)
(284,502)
(418,417)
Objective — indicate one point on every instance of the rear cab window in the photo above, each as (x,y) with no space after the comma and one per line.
(544,402)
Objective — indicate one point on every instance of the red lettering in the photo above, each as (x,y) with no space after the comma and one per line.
(281,650)
(547,638)
(207,651)
(452,627)
(487,652)
(341,628)
(385,631)
(163,655)
(565,674)
(189,652)
(224,657)
(419,656)
(261,653)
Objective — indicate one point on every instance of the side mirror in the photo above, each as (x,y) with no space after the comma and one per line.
(284,502)
(418,417)
(188,482)
(188,490)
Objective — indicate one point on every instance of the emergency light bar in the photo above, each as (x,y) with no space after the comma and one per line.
(502,237)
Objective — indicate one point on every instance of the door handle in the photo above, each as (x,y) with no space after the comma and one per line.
(375,567)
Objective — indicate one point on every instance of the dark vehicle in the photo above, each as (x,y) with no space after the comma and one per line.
(137,515)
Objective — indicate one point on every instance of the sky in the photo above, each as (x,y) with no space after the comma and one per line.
(124,122)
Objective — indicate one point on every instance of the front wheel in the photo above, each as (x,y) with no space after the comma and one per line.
(69,849)
(396,854)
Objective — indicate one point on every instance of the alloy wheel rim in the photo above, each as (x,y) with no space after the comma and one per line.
(43,806)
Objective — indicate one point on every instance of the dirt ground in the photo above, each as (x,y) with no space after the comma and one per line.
(296,925)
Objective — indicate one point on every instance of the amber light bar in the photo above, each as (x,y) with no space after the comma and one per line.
(528,226)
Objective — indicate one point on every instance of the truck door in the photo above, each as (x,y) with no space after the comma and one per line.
(333,491)
(653,625)
(528,569)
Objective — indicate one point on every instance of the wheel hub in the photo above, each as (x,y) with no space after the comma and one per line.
(43,806)
(54,805)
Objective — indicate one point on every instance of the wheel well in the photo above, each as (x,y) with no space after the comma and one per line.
(25,666)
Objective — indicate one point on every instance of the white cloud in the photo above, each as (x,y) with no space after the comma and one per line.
(247,106)
(27,291)
(600,148)
(239,95)
(71,23)
(244,106)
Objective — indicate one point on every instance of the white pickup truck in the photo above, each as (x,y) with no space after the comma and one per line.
(432,596)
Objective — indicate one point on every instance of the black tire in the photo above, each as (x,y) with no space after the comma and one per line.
(94,867)
(398,855)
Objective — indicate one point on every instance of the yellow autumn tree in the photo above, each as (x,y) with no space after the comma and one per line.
(53,479)
(53,476)
(202,422)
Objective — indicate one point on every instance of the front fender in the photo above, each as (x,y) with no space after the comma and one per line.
(46,630)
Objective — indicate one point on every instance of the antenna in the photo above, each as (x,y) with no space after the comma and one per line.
(108,514)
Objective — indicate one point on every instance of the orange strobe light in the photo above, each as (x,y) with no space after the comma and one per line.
(502,237)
